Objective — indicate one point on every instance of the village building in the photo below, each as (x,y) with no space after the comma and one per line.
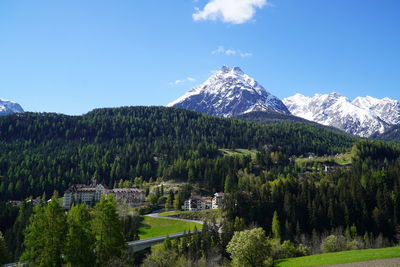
(91,194)
(217,200)
(129,195)
(196,202)
(80,193)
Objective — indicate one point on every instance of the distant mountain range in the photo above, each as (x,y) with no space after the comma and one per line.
(364,116)
(230,92)
(8,107)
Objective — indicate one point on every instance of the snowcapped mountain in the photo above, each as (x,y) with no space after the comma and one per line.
(229,92)
(387,109)
(8,107)
(364,116)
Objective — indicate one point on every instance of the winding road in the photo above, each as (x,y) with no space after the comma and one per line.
(139,245)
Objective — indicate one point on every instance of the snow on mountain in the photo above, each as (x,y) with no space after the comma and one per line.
(364,116)
(8,107)
(229,92)
(387,109)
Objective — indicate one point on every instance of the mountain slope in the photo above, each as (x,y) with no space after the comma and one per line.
(387,109)
(337,111)
(9,107)
(270,117)
(393,134)
(229,92)
(41,152)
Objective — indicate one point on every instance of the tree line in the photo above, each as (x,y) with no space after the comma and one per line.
(43,152)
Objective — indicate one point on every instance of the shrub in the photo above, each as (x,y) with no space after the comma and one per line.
(333,243)
(288,250)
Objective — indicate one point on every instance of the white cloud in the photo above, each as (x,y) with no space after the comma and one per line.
(231,11)
(245,54)
(230,52)
(188,79)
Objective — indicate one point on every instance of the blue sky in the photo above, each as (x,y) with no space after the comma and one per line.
(71,56)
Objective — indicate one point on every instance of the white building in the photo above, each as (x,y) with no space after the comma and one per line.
(196,202)
(90,194)
(80,193)
(217,200)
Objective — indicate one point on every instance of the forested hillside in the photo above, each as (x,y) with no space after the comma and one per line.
(270,117)
(393,134)
(365,196)
(42,152)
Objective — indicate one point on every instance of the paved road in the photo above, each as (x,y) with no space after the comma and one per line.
(157,239)
(138,245)
(393,262)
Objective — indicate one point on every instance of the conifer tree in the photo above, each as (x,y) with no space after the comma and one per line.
(108,230)
(4,255)
(45,235)
(276,227)
(79,246)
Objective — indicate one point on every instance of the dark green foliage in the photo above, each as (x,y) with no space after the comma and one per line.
(45,235)
(271,117)
(15,234)
(4,254)
(393,134)
(365,195)
(108,231)
(79,243)
(41,152)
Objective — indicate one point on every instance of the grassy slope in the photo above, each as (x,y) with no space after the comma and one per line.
(341,257)
(239,151)
(200,215)
(153,227)
(342,159)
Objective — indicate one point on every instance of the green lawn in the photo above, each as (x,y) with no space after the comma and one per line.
(341,257)
(170,213)
(341,159)
(200,215)
(153,227)
(239,151)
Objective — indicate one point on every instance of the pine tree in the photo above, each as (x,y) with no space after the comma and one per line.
(79,246)
(45,235)
(4,255)
(108,231)
(276,227)
(229,184)
(178,201)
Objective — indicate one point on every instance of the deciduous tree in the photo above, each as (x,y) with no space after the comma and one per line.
(250,248)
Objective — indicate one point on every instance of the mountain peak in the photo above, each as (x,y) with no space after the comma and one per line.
(226,69)
(8,107)
(227,93)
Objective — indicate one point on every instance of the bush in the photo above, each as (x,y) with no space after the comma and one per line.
(142,210)
(354,244)
(288,250)
(333,243)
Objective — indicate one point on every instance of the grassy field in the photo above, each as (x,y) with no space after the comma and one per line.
(239,151)
(341,257)
(341,159)
(153,227)
(200,215)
